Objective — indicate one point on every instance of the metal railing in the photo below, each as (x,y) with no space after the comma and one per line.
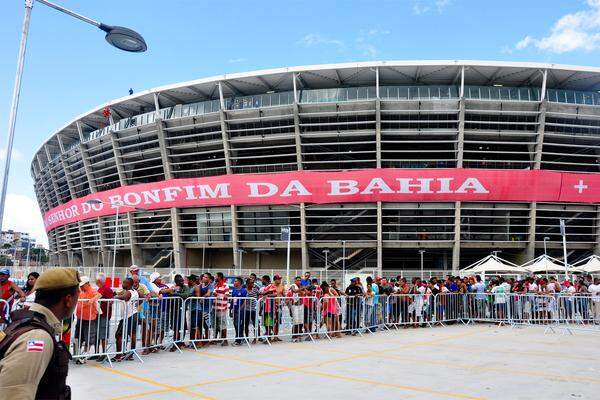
(117,330)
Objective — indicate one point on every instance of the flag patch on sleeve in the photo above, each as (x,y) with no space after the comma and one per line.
(35,346)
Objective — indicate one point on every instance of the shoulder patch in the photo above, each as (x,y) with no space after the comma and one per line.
(35,346)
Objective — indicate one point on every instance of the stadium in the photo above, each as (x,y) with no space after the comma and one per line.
(370,165)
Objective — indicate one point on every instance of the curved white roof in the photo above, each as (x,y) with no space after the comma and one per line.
(421,72)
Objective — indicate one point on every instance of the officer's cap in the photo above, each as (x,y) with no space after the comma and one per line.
(57,278)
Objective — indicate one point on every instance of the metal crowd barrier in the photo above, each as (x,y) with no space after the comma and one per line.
(4,314)
(108,329)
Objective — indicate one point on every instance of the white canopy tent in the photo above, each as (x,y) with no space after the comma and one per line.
(590,265)
(493,264)
(548,265)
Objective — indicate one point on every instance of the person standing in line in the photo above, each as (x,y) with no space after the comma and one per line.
(221,306)
(238,311)
(33,363)
(128,324)
(354,293)
(594,290)
(296,309)
(251,308)
(105,314)
(87,314)
(267,294)
(279,294)
(29,289)
(192,307)
(8,289)
(306,282)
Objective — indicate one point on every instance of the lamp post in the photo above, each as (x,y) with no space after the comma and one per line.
(545,239)
(241,253)
(422,252)
(563,232)
(118,207)
(343,263)
(326,252)
(122,38)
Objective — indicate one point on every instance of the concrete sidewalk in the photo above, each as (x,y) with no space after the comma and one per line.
(460,362)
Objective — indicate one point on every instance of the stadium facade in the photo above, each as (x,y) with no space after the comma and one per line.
(451,119)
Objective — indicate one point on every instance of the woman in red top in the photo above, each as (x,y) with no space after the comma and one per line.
(330,309)
(7,292)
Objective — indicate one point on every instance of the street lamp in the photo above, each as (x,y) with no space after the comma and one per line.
(343,263)
(545,239)
(326,252)
(241,253)
(122,38)
(422,252)
(118,207)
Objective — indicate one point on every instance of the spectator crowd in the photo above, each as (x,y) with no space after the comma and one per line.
(148,314)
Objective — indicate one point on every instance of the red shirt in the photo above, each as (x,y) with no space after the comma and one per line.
(105,305)
(222,297)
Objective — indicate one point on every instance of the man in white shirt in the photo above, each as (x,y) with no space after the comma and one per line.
(594,289)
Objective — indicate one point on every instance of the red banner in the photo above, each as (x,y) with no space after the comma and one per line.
(387,185)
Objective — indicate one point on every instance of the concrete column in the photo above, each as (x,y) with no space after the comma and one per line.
(86,162)
(456,245)
(377,124)
(224,133)
(179,249)
(539,144)
(225,137)
(460,145)
(118,161)
(54,184)
(597,245)
(86,254)
(234,236)
(88,169)
(303,243)
(378,132)
(379,239)
(136,250)
(68,177)
(164,152)
(297,137)
(530,250)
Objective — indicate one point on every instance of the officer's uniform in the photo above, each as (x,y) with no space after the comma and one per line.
(35,358)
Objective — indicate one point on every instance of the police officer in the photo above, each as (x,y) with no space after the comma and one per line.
(33,360)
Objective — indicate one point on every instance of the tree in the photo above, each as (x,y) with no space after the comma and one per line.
(39,253)
(4,260)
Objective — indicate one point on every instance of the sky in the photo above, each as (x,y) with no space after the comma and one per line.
(70,68)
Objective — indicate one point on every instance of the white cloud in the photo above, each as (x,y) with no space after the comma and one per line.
(364,42)
(16,154)
(237,60)
(365,39)
(316,39)
(424,6)
(22,214)
(576,31)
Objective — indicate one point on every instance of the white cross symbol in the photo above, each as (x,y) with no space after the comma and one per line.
(580,186)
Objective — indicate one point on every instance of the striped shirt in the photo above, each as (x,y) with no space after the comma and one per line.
(222,296)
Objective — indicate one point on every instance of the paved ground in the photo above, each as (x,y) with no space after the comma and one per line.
(464,362)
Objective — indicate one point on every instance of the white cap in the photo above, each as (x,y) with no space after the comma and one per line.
(134,268)
(83,280)
(154,276)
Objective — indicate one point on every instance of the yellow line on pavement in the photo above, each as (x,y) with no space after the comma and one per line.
(278,369)
(152,382)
